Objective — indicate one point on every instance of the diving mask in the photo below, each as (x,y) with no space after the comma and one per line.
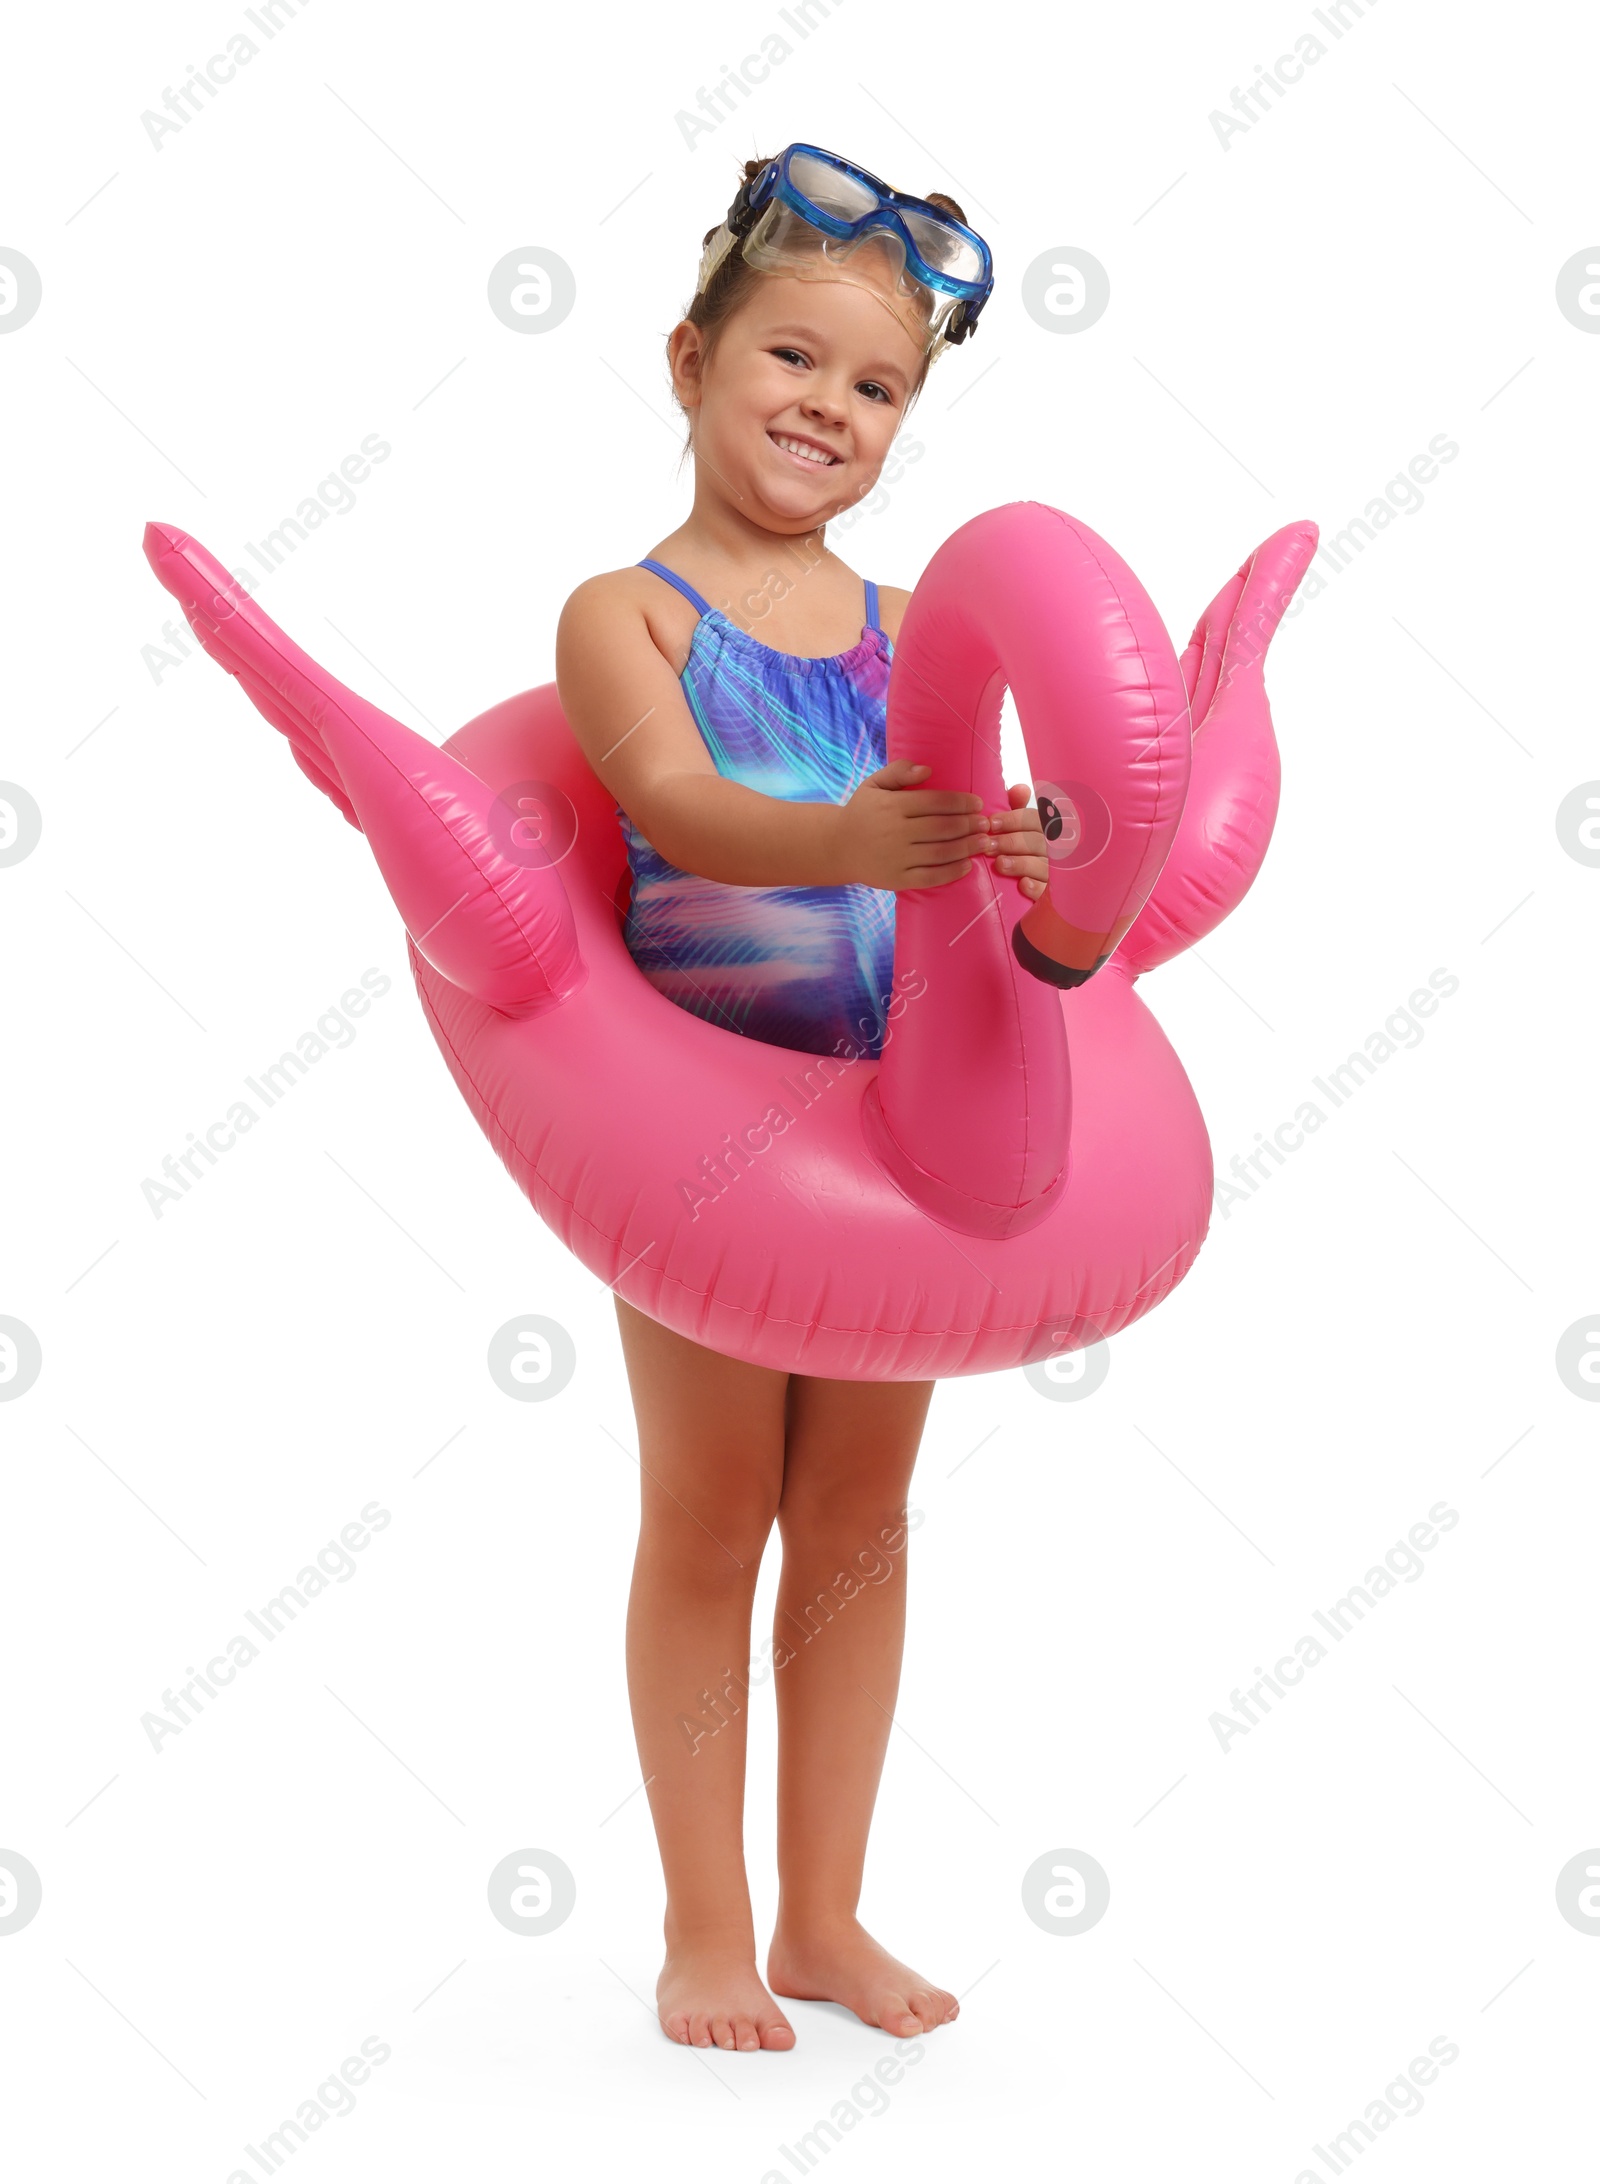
(815,216)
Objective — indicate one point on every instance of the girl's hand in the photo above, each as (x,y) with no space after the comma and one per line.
(1019,842)
(894,835)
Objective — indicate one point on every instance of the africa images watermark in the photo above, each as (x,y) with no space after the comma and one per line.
(1401,496)
(804,557)
(1400,1029)
(201,85)
(332,2098)
(718,1172)
(182,1170)
(865,2098)
(1273,84)
(894,469)
(335,1564)
(1399,2097)
(873,1563)
(724,98)
(1402,1563)
(335,495)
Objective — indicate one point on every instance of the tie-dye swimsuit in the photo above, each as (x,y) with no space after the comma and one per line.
(806,967)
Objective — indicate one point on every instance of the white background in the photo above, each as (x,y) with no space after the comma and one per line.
(1292,319)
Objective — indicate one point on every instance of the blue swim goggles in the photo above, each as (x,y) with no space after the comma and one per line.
(811,213)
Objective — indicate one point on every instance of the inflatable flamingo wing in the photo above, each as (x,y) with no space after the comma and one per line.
(1233,789)
(1025,1169)
(498,928)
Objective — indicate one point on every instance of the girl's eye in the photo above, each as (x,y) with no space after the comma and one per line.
(871,388)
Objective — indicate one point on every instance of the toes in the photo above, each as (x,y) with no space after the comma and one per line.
(730,2029)
(896,2015)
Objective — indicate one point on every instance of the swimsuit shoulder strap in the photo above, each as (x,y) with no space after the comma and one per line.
(658,568)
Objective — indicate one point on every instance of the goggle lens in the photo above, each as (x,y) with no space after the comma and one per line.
(831,191)
(786,234)
(945,250)
(846,197)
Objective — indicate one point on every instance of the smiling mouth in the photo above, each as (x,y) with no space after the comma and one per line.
(805,452)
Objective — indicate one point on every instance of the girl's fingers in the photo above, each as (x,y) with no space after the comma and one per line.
(1021,821)
(938,868)
(972,837)
(938,803)
(1032,874)
(937,875)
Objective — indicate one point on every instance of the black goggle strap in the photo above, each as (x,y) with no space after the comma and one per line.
(741,213)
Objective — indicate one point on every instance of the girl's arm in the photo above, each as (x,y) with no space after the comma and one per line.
(627,709)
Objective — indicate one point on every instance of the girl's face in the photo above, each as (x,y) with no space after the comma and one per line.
(826,364)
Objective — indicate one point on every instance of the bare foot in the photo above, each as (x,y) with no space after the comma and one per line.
(842,1963)
(713,1997)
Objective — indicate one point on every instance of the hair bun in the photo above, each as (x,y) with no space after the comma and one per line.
(946,204)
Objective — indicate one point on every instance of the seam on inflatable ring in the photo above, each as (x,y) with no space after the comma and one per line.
(1013,971)
(1014,975)
(827,1327)
(488,878)
(1009,963)
(1155,710)
(878,1127)
(1182,929)
(1247,570)
(1205,647)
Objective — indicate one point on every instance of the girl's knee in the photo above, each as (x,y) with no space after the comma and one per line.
(864,1533)
(716,1536)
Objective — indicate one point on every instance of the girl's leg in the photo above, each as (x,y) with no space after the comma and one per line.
(711,1470)
(839,1633)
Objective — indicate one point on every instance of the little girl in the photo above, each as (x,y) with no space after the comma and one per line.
(766,838)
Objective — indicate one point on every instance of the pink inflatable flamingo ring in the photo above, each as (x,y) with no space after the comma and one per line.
(1024,1169)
